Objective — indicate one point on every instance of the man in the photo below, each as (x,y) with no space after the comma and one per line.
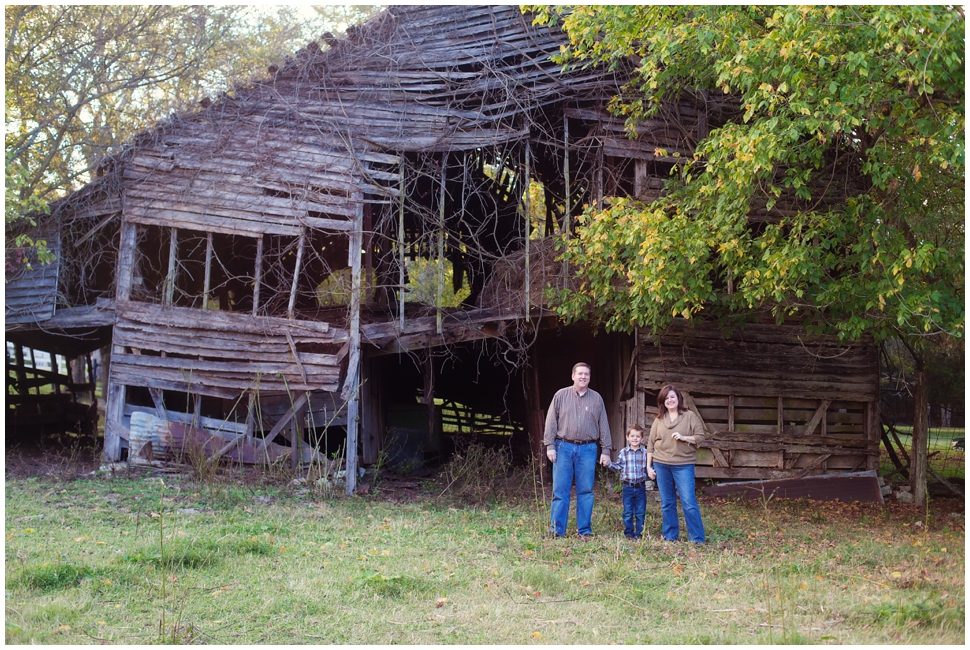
(576,421)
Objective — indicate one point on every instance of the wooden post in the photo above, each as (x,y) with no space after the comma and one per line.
(440,290)
(429,391)
(21,371)
(367,284)
(126,260)
(730,413)
(206,284)
(527,216)
(55,372)
(351,390)
(873,433)
(259,273)
(173,246)
(115,392)
(599,175)
(781,416)
(251,417)
(296,273)
(113,418)
(567,218)
(400,248)
(33,370)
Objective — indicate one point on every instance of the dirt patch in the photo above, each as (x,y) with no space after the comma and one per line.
(68,458)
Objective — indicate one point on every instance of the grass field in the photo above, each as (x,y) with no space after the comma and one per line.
(949,462)
(132,560)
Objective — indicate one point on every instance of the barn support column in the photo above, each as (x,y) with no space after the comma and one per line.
(351,390)
(567,217)
(440,289)
(527,217)
(114,428)
(400,248)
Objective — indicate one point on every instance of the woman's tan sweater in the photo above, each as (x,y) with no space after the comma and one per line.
(662,446)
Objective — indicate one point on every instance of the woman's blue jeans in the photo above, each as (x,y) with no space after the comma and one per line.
(574,463)
(634,507)
(678,481)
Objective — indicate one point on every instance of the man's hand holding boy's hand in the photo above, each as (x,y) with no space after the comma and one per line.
(652,474)
(605,460)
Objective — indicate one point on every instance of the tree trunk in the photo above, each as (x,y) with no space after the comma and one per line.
(917,467)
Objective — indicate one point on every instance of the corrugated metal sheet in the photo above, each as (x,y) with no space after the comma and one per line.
(859,486)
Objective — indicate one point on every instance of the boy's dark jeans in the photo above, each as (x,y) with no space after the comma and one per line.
(634,506)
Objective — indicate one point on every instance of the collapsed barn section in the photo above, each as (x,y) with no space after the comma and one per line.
(350,259)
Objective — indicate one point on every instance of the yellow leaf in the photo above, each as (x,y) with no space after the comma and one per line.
(29,530)
(537,635)
(897,574)
(64,628)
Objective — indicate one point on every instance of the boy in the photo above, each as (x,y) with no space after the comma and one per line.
(632,465)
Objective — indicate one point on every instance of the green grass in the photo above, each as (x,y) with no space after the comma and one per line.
(128,561)
(943,458)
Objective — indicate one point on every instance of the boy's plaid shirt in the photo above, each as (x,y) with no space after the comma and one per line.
(632,465)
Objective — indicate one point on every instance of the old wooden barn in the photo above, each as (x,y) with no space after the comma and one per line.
(348,256)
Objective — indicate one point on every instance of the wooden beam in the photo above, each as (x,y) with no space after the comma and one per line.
(689,403)
(719,459)
(301,243)
(818,417)
(815,463)
(22,389)
(114,418)
(296,355)
(207,282)
(126,259)
(156,394)
(440,286)
(351,391)
(290,413)
(400,248)
(527,216)
(258,277)
(781,415)
(173,245)
(567,219)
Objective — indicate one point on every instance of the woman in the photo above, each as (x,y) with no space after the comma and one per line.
(671,454)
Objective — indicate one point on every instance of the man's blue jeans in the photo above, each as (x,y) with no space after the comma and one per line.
(574,463)
(634,506)
(678,481)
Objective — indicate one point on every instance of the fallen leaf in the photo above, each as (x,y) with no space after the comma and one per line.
(537,635)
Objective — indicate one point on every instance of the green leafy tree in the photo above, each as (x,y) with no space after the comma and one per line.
(83,79)
(849,130)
